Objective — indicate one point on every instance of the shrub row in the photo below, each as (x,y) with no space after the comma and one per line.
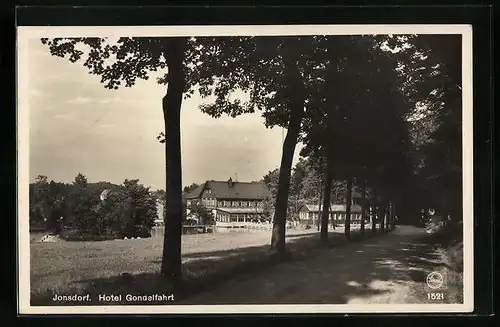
(79,235)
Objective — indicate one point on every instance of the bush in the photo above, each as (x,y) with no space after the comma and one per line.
(138,231)
(35,229)
(78,235)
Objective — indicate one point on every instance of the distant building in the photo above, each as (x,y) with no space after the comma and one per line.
(230,201)
(310,214)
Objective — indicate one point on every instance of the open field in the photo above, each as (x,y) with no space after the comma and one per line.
(79,267)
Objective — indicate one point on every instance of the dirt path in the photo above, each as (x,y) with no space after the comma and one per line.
(385,269)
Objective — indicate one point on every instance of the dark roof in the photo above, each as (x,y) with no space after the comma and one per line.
(223,190)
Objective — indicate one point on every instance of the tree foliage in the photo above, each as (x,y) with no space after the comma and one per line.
(202,215)
(127,210)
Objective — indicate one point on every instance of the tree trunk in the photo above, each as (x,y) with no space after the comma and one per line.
(279,221)
(388,217)
(363,209)
(297,97)
(347,224)
(374,212)
(326,201)
(382,211)
(320,194)
(393,215)
(171,260)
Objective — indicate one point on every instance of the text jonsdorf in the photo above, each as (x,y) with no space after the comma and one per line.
(115,298)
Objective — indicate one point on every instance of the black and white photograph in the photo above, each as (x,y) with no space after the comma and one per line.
(245,169)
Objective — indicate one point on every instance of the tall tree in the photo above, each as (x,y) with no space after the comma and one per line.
(132,59)
(364,208)
(189,188)
(295,198)
(39,202)
(328,179)
(374,211)
(356,99)
(431,66)
(274,72)
(348,199)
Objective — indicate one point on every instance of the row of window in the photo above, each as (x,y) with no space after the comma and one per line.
(240,218)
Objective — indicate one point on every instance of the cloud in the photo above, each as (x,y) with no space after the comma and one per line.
(69,117)
(80,100)
(107,126)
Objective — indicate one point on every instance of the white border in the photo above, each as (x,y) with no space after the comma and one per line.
(25,33)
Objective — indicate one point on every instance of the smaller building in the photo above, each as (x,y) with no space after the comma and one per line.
(310,214)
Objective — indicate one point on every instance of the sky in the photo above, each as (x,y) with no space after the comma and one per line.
(76,125)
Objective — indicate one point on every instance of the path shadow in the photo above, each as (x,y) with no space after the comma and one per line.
(347,274)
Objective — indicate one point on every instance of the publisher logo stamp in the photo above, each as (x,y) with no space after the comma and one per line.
(435,280)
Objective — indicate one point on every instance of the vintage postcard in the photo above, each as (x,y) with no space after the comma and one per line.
(245,169)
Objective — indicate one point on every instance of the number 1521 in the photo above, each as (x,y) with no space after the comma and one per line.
(435,296)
